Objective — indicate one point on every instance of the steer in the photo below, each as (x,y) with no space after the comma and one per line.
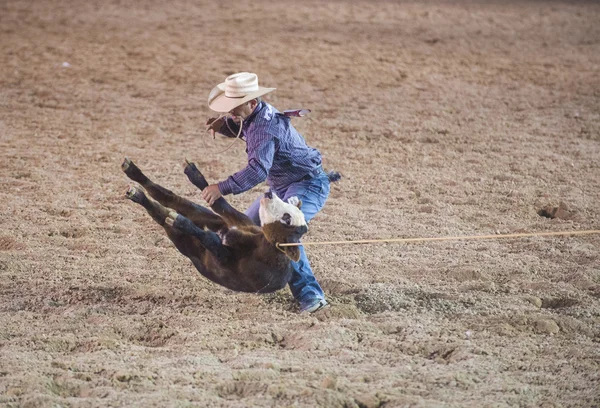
(224,244)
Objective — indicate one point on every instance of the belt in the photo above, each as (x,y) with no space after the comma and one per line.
(313,173)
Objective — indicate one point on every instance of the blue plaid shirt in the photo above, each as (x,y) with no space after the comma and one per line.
(276,152)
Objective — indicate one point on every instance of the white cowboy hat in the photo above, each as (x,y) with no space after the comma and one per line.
(237,89)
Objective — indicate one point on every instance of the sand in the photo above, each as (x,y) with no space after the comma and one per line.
(444,118)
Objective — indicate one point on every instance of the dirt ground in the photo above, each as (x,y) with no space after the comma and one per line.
(445,119)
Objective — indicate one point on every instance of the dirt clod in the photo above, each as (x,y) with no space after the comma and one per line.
(561,212)
(546,326)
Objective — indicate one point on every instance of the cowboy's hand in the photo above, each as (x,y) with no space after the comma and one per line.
(214,124)
(211,193)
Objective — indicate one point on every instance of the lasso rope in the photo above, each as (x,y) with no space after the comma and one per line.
(455,238)
(225,115)
(406,240)
(299,113)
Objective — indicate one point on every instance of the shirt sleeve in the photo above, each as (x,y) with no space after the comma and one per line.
(261,150)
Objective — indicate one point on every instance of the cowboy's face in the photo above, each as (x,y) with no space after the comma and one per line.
(244,110)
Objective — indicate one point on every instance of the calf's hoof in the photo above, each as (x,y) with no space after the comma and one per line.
(194,175)
(135,194)
(126,163)
(132,171)
(180,222)
(191,169)
(171,218)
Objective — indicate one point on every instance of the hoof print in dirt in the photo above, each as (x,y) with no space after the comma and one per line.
(561,212)
(559,302)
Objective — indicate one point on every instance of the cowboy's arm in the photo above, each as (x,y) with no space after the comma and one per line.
(261,150)
(225,126)
(229,128)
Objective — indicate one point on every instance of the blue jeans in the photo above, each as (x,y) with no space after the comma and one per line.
(313,193)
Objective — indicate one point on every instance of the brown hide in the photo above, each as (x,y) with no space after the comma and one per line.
(223,244)
(276,232)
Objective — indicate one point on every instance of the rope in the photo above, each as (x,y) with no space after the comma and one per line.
(225,115)
(456,238)
(289,113)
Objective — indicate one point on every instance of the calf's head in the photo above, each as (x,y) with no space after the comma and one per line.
(283,222)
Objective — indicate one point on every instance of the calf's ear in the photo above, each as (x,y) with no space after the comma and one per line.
(295,201)
(293,252)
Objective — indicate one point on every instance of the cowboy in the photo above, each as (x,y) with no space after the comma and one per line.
(278,154)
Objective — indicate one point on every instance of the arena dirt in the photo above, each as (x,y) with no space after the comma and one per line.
(445,119)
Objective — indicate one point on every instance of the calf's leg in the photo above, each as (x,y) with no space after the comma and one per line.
(201,216)
(208,239)
(187,245)
(220,206)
